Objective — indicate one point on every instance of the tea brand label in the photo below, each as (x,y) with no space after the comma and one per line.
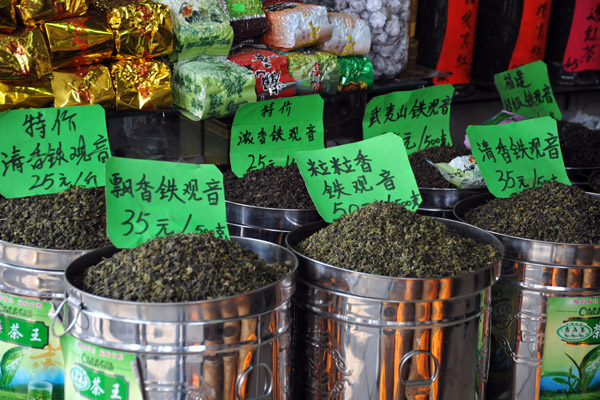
(571,348)
(93,372)
(518,156)
(147,199)
(420,117)
(29,354)
(269,133)
(526,91)
(48,150)
(344,178)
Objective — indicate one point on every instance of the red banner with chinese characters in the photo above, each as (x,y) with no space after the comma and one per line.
(583,48)
(456,56)
(531,42)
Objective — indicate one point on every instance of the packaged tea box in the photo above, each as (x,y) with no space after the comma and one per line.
(34,11)
(24,54)
(35,93)
(88,84)
(8,16)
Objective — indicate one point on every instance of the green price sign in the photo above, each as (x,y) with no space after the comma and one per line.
(269,133)
(518,156)
(526,91)
(148,199)
(344,178)
(420,117)
(48,150)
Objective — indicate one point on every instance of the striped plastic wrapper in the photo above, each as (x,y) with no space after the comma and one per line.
(294,25)
(350,36)
(24,55)
(79,40)
(141,84)
(8,16)
(142,28)
(356,73)
(314,71)
(89,84)
(33,12)
(271,71)
(211,87)
(26,94)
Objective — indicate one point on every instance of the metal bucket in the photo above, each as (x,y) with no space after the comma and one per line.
(359,336)
(270,224)
(580,175)
(532,272)
(438,202)
(593,176)
(237,347)
(31,287)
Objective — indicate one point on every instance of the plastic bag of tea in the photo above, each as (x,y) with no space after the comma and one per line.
(89,84)
(247,18)
(8,16)
(314,71)
(350,36)
(26,94)
(356,73)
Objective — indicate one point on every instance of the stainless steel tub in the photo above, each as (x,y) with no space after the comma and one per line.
(175,342)
(360,336)
(532,272)
(438,202)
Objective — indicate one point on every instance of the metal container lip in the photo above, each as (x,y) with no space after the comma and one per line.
(19,255)
(271,218)
(462,207)
(250,206)
(301,233)
(258,228)
(133,309)
(591,178)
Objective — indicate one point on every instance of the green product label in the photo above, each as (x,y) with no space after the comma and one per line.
(518,156)
(420,117)
(270,133)
(237,7)
(49,150)
(344,178)
(571,349)
(93,372)
(31,364)
(148,199)
(526,91)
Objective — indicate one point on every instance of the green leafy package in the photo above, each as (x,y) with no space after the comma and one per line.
(200,27)
(247,18)
(212,87)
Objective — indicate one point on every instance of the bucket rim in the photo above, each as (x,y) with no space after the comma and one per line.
(273,209)
(19,255)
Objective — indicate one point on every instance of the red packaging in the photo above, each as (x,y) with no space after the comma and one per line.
(271,71)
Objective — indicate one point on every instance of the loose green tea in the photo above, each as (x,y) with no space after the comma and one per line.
(386,239)
(427,175)
(179,268)
(272,187)
(553,212)
(580,145)
(71,220)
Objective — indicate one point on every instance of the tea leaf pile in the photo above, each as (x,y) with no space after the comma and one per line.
(580,146)
(427,175)
(71,220)
(553,212)
(180,268)
(386,239)
(272,187)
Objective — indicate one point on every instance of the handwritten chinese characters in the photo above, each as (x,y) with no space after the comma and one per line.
(49,150)
(149,199)
(518,156)
(526,91)
(269,133)
(583,48)
(342,179)
(420,117)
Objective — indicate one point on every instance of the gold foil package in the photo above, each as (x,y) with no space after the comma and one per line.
(34,11)
(89,84)
(142,28)
(25,94)
(8,16)
(142,84)
(79,41)
(24,55)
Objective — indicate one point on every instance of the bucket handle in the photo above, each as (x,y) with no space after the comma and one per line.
(57,313)
(419,382)
(268,386)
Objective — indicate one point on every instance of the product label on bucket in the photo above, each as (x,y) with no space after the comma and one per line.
(93,372)
(344,178)
(518,156)
(147,199)
(571,348)
(269,133)
(420,117)
(526,91)
(30,357)
(48,150)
